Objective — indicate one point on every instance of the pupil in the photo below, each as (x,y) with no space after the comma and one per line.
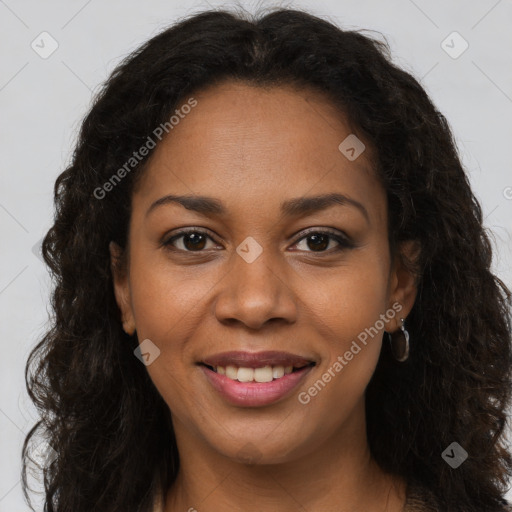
(322,245)
(194,238)
(191,240)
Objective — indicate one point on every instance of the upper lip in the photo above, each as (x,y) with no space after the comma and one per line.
(256,359)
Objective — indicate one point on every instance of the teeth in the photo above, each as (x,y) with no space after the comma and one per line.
(277,372)
(245,374)
(232,372)
(263,374)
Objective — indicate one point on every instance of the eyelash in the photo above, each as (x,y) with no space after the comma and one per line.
(343,241)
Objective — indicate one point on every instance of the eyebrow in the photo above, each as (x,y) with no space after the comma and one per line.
(299,206)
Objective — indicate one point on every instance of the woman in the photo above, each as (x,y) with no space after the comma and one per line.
(273,287)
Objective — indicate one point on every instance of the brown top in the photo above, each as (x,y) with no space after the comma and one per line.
(419,499)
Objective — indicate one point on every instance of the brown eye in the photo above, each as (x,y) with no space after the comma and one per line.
(318,241)
(194,241)
(191,241)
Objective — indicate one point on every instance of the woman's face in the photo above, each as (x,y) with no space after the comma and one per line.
(260,274)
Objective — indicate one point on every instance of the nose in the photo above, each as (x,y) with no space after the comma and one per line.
(256,293)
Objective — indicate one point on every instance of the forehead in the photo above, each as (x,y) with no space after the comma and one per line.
(244,142)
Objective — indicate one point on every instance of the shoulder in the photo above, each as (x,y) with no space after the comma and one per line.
(507,507)
(420,498)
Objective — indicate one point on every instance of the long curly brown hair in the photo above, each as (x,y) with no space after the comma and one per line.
(101,413)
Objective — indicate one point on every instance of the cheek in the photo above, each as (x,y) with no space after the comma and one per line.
(349,361)
(352,313)
(167,311)
(166,299)
(353,297)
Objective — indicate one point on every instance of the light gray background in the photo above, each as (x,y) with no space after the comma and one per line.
(43,100)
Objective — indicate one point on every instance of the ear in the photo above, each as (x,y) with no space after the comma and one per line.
(122,292)
(404,280)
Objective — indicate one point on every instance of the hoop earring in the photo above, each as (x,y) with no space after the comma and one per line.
(399,343)
(128,329)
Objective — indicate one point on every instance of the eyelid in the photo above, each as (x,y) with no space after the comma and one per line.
(324,230)
(166,241)
(344,241)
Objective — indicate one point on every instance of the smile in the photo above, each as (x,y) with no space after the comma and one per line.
(263,374)
(249,379)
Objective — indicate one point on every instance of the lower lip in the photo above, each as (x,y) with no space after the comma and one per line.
(254,394)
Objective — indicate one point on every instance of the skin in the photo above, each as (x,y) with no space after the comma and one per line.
(253,148)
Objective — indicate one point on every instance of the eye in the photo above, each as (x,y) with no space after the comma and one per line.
(319,241)
(194,240)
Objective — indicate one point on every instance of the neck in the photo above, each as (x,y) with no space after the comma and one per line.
(340,474)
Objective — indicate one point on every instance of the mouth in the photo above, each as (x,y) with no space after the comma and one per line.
(248,379)
(265,373)
(256,367)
